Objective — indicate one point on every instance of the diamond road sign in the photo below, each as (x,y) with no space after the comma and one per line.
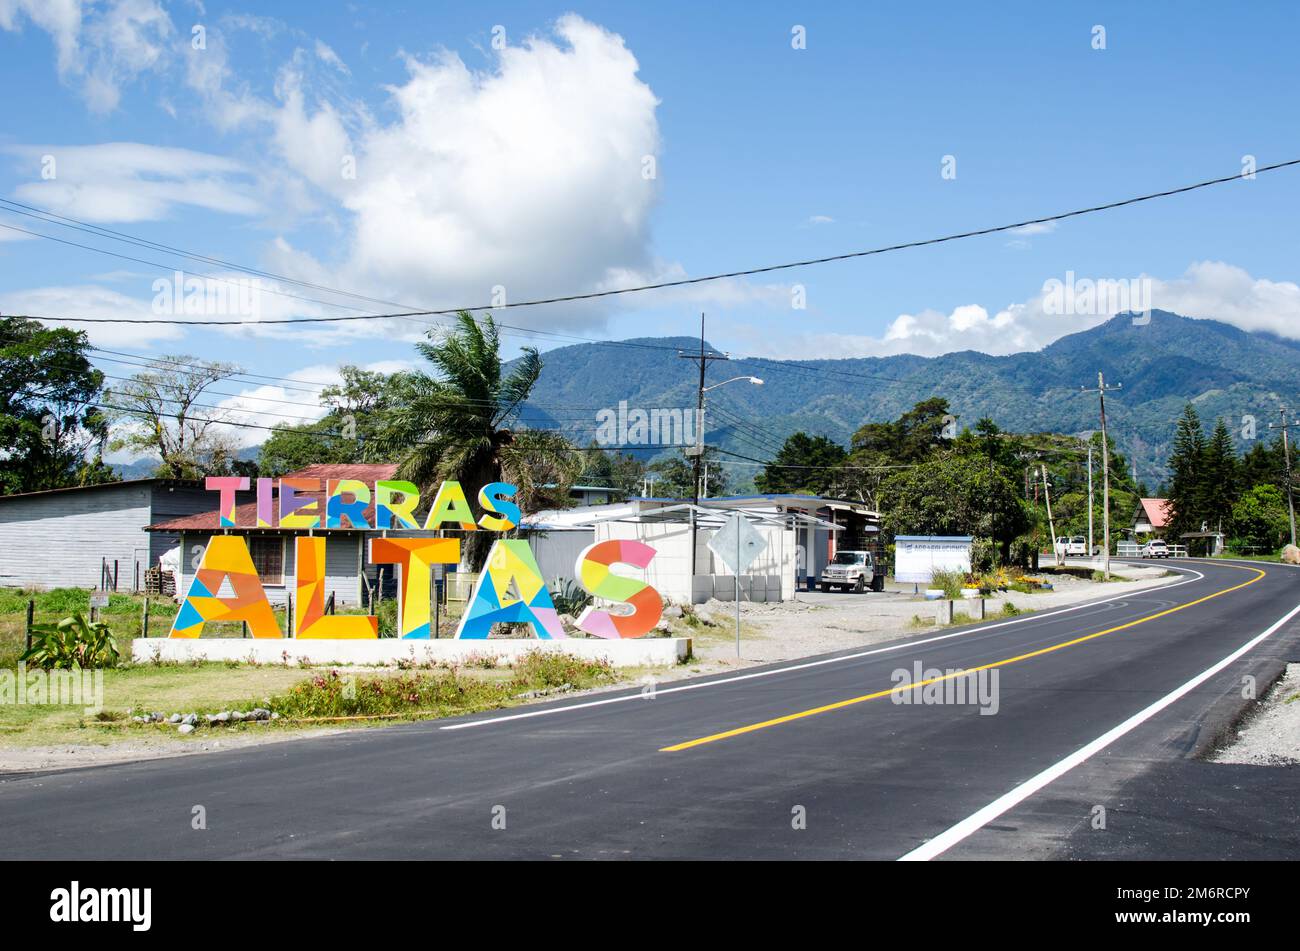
(737,543)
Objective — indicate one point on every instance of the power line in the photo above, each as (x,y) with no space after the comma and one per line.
(682,282)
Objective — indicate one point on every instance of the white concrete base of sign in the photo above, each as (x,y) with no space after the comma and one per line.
(633,652)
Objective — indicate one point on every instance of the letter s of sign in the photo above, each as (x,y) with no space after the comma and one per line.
(593,569)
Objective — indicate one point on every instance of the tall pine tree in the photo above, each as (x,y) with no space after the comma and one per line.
(1220,479)
(1186,496)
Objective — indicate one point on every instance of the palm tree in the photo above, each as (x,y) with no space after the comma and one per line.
(454,425)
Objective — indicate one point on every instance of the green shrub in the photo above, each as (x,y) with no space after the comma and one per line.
(983,555)
(570,597)
(950,582)
(1009,609)
(345,695)
(72,642)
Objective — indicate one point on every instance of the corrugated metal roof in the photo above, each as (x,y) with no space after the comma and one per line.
(102,485)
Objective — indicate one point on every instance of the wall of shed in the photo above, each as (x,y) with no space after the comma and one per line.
(58,539)
(342,568)
(174,501)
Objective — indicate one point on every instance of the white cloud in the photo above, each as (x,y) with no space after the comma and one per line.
(100,47)
(327,55)
(540,189)
(1208,290)
(128,182)
(1228,293)
(820,220)
(98,303)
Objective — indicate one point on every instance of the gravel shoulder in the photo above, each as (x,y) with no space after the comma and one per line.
(73,756)
(1271,737)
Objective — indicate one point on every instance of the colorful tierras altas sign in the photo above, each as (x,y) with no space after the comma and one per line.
(510,565)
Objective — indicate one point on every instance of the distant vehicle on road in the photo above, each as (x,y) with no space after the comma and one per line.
(852,570)
(1155,548)
(1072,545)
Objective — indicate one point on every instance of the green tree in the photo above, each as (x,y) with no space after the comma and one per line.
(912,437)
(618,470)
(1264,463)
(1186,496)
(159,410)
(674,476)
(356,409)
(1219,477)
(955,495)
(455,424)
(1260,518)
(803,464)
(52,429)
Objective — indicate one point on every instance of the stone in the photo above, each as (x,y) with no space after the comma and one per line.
(186,728)
(1291,555)
(174,718)
(190,719)
(673,610)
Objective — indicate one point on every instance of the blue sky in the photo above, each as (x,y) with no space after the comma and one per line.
(524,169)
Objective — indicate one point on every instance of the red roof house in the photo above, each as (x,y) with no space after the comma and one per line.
(1151,517)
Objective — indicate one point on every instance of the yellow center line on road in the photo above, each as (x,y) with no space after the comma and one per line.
(840,704)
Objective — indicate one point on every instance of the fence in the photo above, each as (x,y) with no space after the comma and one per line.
(1134,550)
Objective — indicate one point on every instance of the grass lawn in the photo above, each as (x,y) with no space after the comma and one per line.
(142,689)
(124,615)
(299,695)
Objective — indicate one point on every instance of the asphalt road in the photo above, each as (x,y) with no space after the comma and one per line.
(726,767)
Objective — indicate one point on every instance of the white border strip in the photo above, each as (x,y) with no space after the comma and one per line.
(973,823)
(623,698)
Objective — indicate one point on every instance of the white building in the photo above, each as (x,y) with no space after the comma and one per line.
(802,535)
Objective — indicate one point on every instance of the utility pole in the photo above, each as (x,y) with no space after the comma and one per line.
(1100,390)
(1090,502)
(1051,524)
(1286,455)
(697,451)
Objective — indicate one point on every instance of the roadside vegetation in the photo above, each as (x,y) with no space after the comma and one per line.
(124,616)
(298,697)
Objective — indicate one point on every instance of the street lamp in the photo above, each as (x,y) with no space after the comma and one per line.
(752,379)
(697,451)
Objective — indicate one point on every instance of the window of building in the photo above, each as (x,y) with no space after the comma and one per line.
(268,558)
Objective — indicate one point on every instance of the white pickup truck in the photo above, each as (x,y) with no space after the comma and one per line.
(852,570)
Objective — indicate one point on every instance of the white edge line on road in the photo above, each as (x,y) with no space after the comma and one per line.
(623,698)
(976,821)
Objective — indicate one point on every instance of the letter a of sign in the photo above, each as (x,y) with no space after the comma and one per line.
(226,559)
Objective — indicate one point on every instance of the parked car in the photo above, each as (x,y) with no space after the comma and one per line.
(1072,545)
(852,570)
(1156,548)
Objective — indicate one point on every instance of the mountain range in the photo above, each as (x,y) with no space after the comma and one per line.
(1161,365)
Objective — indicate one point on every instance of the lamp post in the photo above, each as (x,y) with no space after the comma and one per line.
(698,452)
